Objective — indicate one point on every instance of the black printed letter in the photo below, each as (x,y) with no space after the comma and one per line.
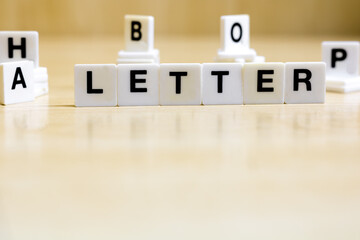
(134,80)
(334,57)
(178,76)
(220,75)
(261,80)
(18,73)
(21,47)
(90,90)
(305,80)
(232,32)
(135,28)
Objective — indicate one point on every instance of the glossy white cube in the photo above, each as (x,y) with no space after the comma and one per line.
(136,61)
(190,89)
(305,82)
(104,78)
(343,89)
(40,71)
(40,74)
(30,44)
(341,69)
(40,77)
(139,40)
(138,84)
(271,79)
(248,55)
(16,82)
(222,83)
(125,57)
(229,60)
(41,88)
(259,59)
(235,33)
(153,54)
(343,82)
(41,85)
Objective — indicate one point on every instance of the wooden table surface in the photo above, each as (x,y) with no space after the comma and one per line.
(195,172)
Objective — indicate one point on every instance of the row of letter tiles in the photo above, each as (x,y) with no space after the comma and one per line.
(194,83)
(18,46)
(16,82)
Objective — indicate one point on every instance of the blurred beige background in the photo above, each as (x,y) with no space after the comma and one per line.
(181,17)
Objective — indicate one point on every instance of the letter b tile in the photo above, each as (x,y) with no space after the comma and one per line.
(139,33)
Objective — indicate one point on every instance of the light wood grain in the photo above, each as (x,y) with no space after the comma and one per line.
(196,172)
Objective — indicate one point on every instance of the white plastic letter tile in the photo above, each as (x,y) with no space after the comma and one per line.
(40,75)
(138,57)
(341,58)
(180,84)
(343,82)
(248,55)
(343,89)
(222,83)
(135,61)
(41,88)
(95,85)
(139,33)
(40,78)
(259,59)
(305,82)
(40,70)
(235,33)
(16,82)
(138,84)
(18,46)
(264,83)
(153,54)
